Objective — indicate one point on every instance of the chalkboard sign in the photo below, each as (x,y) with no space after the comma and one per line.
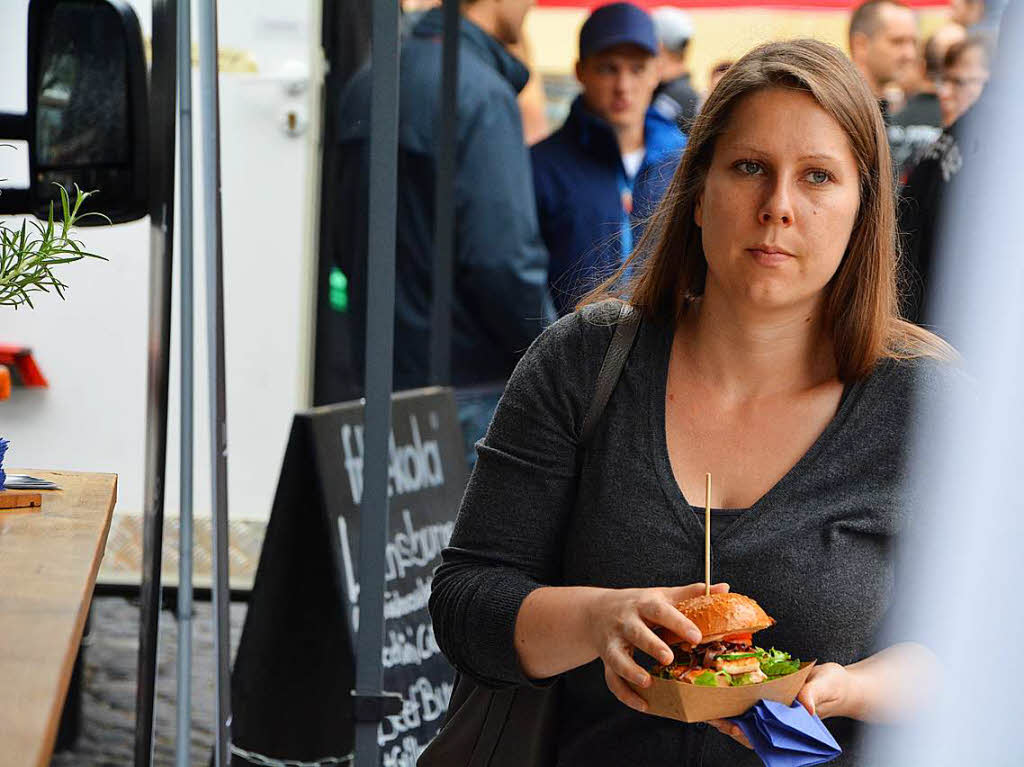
(295,668)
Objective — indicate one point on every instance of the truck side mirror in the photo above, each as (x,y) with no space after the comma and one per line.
(87,120)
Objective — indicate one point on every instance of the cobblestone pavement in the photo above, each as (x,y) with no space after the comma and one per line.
(107,733)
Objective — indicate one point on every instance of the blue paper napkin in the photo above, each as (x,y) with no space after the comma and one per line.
(3,449)
(787,736)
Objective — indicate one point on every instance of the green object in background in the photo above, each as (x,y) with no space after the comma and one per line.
(29,256)
(338,290)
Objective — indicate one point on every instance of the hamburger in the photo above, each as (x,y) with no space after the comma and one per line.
(727,655)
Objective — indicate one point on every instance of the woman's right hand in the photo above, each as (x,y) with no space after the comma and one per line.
(624,619)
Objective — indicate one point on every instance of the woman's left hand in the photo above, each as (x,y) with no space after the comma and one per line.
(826,693)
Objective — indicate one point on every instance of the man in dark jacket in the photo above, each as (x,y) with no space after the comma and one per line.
(605,169)
(501,300)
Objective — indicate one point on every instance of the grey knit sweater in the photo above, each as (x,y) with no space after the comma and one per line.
(815,551)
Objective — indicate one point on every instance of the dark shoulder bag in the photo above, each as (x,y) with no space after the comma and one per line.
(518,726)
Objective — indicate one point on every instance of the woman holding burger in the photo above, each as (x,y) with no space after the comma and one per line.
(770,353)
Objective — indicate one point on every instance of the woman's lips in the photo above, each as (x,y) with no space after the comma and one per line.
(769,257)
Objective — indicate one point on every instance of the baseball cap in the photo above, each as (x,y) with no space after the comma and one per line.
(673,26)
(617,24)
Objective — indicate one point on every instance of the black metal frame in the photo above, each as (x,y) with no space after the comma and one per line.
(161,207)
(370,700)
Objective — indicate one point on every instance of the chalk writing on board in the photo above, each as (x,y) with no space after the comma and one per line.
(412,466)
(397,605)
(404,755)
(408,548)
(425,702)
(409,646)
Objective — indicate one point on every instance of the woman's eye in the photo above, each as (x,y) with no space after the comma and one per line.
(748,167)
(818,177)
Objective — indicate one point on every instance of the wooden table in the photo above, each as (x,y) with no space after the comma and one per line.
(48,564)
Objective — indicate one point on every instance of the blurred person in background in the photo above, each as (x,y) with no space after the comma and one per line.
(923,106)
(968,458)
(769,352)
(883,46)
(530,98)
(979,16)
(412,12)
(919,123)
(675,97)
(500,296)
(964,76)
(967,13)
(532,101)
(611,161)
(715,74)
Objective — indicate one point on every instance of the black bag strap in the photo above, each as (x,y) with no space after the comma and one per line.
(626,325)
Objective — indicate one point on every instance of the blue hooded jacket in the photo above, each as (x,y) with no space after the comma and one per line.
(586,217)
(501,301)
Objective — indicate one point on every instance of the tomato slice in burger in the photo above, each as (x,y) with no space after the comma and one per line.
(746,639)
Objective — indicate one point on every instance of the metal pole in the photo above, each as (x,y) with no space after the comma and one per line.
(208,72)
(184,697)
(373,512)
(444,225)
(161,249)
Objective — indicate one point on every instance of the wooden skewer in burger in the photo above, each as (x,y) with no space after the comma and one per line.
(726,656)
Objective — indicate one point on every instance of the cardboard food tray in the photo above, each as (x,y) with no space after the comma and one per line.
(693,703)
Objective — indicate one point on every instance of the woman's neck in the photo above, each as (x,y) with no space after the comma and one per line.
(745,353)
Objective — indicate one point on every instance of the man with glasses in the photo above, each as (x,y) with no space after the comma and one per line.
(964,76)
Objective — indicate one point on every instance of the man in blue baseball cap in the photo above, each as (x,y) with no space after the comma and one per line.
(608,165)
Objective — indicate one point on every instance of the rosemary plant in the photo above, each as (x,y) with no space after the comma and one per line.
(29,255)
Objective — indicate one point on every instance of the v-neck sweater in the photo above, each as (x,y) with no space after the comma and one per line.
(816,550)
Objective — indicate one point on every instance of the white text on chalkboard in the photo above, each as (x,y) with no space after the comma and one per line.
(410,646)
(408,548)
(424,703)
(411,467)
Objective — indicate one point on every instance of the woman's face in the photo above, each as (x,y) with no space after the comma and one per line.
(779,203)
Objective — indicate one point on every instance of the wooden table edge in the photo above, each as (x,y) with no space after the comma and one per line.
(49,739)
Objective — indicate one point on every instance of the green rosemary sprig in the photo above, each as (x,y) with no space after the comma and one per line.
(29,255)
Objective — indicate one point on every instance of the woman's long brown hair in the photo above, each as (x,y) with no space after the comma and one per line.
(667,271)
